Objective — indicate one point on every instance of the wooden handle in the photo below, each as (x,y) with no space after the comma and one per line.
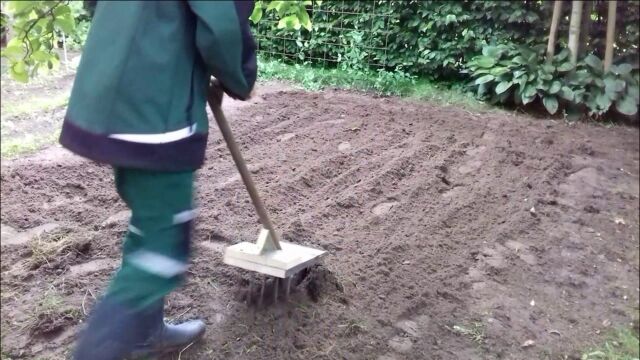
(215,102)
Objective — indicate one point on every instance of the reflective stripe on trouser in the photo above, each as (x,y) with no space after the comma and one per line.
(156,248)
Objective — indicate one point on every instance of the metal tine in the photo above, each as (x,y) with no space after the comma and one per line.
(287,288)
(264,283)
(276,283)
(250,294)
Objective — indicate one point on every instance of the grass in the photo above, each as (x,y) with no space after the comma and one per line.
(475,331)
(381,82)
(50,306)
(622,344)
(10,148)
(46,246)
(33,105)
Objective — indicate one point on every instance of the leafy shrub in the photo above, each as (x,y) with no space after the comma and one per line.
(520,75)
(599,90)
(432,38)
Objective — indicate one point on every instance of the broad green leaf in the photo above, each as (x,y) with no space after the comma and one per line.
(528,99)
(482,89)
(556,85)
(550,103)
(520,60)
(627,105)
(289,22)
(612,86)
(484,79)
(13,52)
(61,10)
(503,86)
(19,7)
(522,82)
(622,69)
(485,61)
(256,15)
(518,73)
(566,93)
(529,91)
(497,71)
(548,68)
(633,91)
(564,67)
(562,55)
(603,101)
(594,62)
(501,98)
(491,51)
(19,72)
(41,56)
(303,16)
(274,5)
(599,82)
(65,23)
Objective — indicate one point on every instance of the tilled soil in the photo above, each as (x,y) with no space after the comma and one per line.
(451,235)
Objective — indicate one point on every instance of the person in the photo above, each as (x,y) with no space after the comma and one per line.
(138,104)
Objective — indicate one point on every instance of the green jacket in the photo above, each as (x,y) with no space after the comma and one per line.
(139,97)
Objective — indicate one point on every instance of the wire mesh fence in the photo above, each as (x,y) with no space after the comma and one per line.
(342,30)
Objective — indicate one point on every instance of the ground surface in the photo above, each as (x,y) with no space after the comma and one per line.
(451,234)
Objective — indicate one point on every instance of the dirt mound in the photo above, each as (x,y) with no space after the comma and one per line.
(451,234)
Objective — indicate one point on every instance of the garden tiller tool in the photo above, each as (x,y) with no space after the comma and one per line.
(268,255)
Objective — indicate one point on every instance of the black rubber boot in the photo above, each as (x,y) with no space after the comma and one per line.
(168,337)
(114,330)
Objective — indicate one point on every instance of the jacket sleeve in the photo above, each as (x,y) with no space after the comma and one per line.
(224,40)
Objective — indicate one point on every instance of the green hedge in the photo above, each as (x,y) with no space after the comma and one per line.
(432,38)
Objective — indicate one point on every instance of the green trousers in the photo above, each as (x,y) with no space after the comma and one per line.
(157,245)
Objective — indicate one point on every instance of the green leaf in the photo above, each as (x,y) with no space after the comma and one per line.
(20,7)
(501,98)
(548,68)
(19,72)
(566,93)
(497,71)
(485,61)
(527,99)
(61,10)
(65,23)
(528,94)
(556,85)
(503,86)
(13,52)
(612,86)
(490,51)
(564,67)
(562,55)
(289,22)
(622,69)
(594,62)
(633,91)
(41,56)
(484,79)
(274,5)
(303,16)
(603,101)
(520,60)
(598,82)
(518,73)
(256,15)
(627,105)
(550,103)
